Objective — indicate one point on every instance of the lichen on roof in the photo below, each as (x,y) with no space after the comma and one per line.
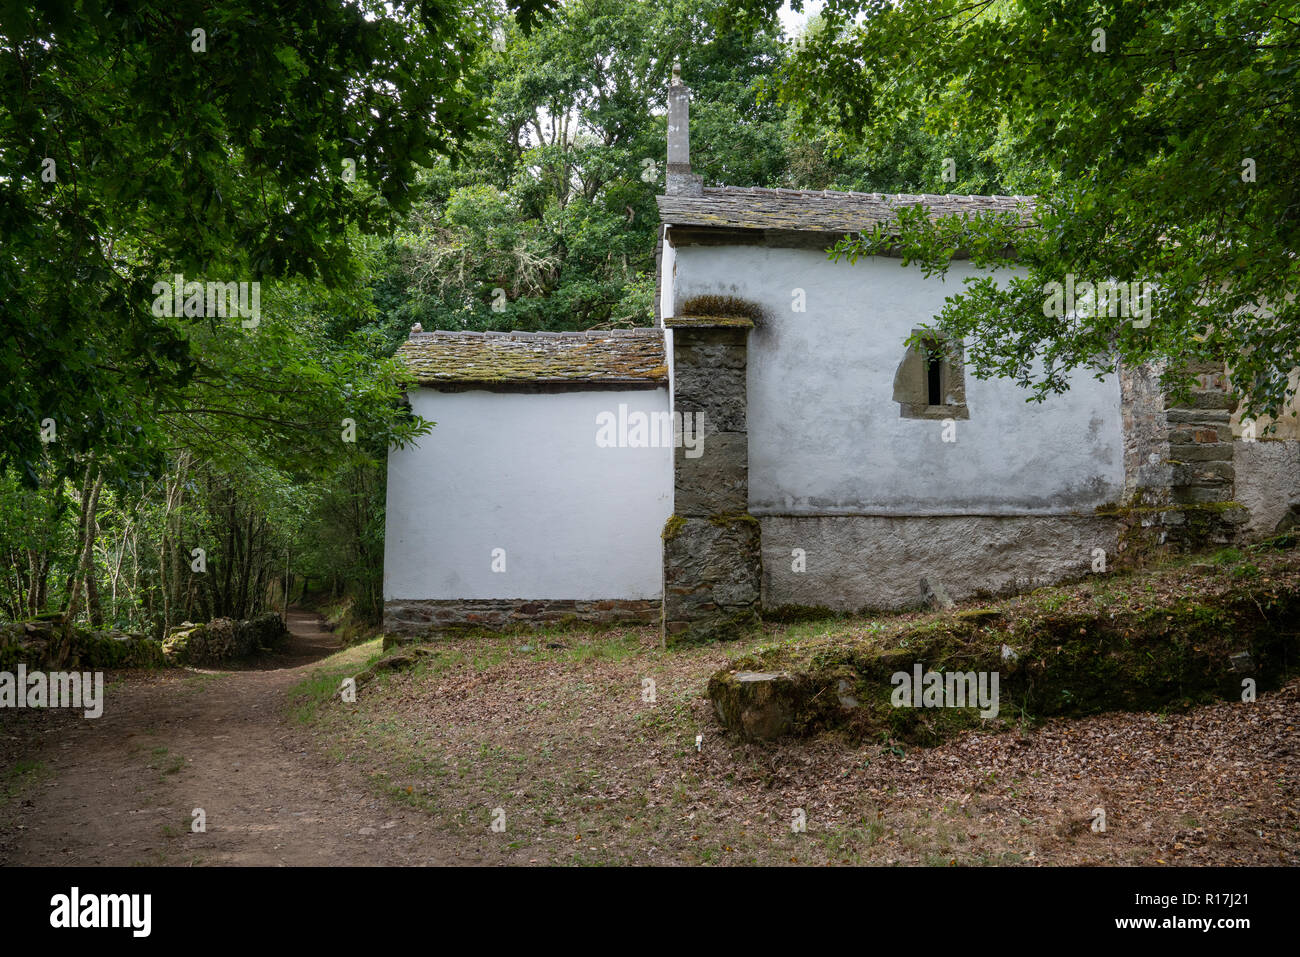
(739,207)
(732,322)
(625,355)
(716,310)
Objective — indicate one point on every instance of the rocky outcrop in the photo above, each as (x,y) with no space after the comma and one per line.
(1184,634)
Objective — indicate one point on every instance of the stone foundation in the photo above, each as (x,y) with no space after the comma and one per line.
(862,563)
(711,580)
(418,618)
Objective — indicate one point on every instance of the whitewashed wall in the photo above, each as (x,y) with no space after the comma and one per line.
(826,437)
(523,472)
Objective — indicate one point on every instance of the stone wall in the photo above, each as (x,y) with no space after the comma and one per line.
(429,618)
(711,555)
(1180,476)
(1146,436)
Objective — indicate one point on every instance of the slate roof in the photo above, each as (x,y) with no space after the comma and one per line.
(631,356)
(740,207)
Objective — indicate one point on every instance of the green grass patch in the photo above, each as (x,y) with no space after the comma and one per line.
(308,696)
(18,777)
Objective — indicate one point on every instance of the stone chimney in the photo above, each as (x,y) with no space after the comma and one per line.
(680,180)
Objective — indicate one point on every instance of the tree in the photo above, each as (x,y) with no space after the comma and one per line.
(1160,140)
(228,142)
(551,223)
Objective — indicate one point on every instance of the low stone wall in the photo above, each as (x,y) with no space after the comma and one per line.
(419,617)
(224,639)
(859,562)
(39,644)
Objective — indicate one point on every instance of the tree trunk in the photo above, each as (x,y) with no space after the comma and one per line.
(73,584)
(93,607)
(42,586)
(89,502)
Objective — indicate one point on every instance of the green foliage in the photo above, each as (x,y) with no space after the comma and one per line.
(1165,154)
(132,149)
(552,222)
(223,158)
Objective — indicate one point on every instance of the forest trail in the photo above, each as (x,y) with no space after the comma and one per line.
(121,789)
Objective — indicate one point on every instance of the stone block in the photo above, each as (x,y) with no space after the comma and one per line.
(717,480)
(1197,416)
(1202,473)
(1201,495)
(710,378)
(712,577)
(758,705)
(1220,452)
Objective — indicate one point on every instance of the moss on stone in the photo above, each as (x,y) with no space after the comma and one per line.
(673,527)
(38,644)
(728,519)
(1119,511)
(1134,643)
(495,358)
(978,615)
(792,614)
(723,626)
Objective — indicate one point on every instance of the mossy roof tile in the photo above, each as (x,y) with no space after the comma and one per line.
(737,207)
(625,355)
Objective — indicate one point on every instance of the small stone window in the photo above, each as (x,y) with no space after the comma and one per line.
(931,382)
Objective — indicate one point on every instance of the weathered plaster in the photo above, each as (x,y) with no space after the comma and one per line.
(1268,482)
(877,562)
(827,437)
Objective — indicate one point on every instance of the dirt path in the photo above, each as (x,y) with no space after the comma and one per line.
(120,790)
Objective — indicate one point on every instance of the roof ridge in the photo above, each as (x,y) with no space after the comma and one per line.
(833,193)
(824,211)
(539,333)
